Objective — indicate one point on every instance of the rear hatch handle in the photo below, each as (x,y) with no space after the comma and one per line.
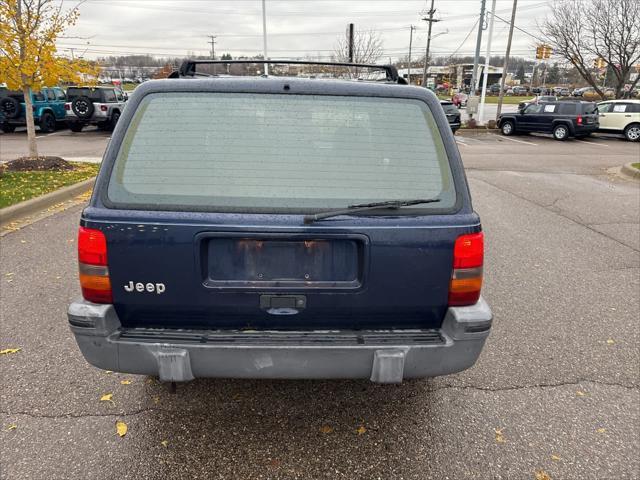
(362,207)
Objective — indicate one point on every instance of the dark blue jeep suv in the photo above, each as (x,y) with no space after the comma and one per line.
(281,227)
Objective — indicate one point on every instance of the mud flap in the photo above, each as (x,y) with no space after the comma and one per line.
(388,366)
(174,365)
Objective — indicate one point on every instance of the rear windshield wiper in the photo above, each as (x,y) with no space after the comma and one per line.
(361,207)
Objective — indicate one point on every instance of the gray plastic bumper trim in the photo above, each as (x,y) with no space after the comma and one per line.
(386,356)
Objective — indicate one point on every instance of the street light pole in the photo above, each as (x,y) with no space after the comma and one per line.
(264,36)
(412,28)
(486,64)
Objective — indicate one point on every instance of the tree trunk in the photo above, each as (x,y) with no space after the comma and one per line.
(31,127)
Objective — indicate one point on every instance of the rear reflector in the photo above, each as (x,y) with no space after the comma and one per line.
(94,273)
(466,277)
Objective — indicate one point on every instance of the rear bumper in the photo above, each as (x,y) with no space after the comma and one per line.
(384,356)
(584,129)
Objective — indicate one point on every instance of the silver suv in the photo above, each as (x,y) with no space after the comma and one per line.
(101,106)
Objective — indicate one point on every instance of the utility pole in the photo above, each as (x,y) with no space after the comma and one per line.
(476,59)
(264,37)
(506,58)
(431,21)
(486,63)
(350,43)
(213,49)
(412,28)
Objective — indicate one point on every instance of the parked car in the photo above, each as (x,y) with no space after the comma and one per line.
(494,89)
(452,113)
(579,92)
(519,90)
(565,92)
(621,116)
(563,119)
(48,109)
(276,227)
(460,99)
(538,99)
(542,91)
(101,106)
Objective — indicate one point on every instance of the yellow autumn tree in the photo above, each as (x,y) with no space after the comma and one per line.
(28,58)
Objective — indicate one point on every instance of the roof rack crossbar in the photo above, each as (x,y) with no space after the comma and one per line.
(188,67)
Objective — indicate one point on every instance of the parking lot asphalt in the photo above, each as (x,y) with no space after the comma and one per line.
(87,145)
(555,392)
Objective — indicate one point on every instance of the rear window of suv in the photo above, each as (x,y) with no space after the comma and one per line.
(278,153)
(93,93)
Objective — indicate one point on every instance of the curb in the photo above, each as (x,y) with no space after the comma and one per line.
(43,202)
(630,172)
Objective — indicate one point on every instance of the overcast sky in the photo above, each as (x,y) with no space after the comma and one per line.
(295,28)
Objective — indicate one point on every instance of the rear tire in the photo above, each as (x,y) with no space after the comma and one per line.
(75,126)
(632,132)
(10,107)
(561,132)
(7,128)
(115,116)
(508,128)
(47,123)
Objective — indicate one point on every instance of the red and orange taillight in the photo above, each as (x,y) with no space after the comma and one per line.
(94,271)
(466,277)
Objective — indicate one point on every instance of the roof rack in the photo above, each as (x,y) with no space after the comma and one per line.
(189,67)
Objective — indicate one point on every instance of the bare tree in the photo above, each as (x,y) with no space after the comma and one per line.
(583,30)
(367,47)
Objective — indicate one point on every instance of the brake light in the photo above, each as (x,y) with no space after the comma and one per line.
(579,119)
(94,271)
(103,108)
(466,276)
(67,106)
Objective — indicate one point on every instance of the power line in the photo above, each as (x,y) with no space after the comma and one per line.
(520,29)
(465,38)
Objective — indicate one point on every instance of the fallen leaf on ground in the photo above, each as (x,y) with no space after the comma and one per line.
(556,458)
(499,437)
(164,443)
(601,430)
(610,341)
(107,397)
(121,428)
(125,382)
(542,475)
(580,393)
(9,274)
(13,426)
(361,429)
(108,371)
(327,429)
(156,399)
(7,351)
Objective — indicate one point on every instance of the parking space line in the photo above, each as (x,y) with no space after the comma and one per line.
(591,143)
(514,140)
(461,143)
(50,134)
